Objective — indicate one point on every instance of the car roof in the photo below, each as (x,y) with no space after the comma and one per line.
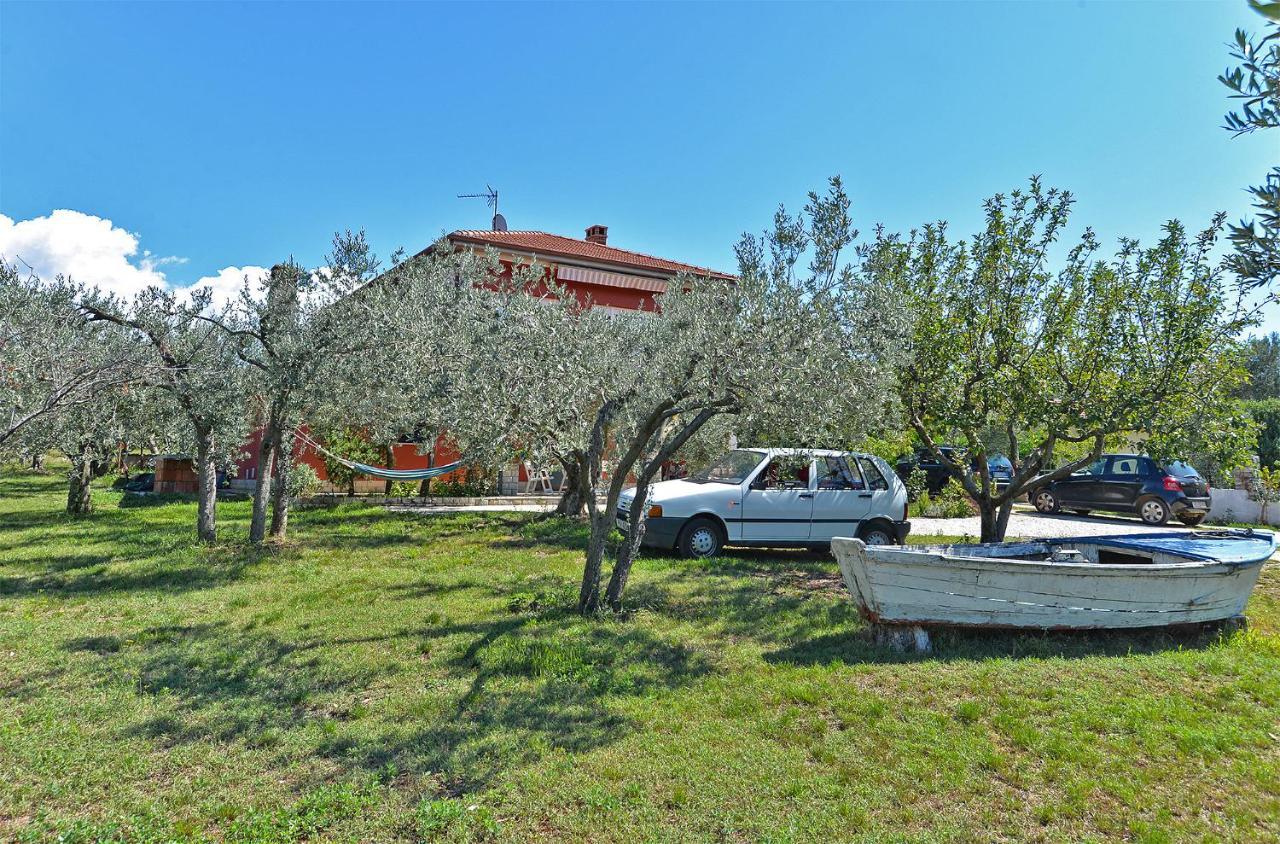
(816,452)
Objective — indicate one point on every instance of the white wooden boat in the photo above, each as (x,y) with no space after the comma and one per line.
(1142,580)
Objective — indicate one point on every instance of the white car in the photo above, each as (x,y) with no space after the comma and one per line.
(777,497)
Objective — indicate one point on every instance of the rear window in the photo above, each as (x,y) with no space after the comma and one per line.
(869,470)
(1181,470)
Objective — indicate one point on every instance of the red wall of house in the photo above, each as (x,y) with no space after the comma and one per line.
(406,457)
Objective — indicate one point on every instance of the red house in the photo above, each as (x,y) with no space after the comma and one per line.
(591,269)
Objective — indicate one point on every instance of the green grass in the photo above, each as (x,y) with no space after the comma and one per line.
(392,677)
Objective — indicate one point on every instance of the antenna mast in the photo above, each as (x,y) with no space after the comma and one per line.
(490,196)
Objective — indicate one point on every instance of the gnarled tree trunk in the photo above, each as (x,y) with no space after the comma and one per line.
(84,468)
(280,494)
(207,477)
(262,488)
(571,503)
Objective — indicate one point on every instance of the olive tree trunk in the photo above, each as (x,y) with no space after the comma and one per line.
(571,504)
(280,489)
(262,486)
(84,468)
(207,478)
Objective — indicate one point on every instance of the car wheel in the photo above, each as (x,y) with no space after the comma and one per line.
(1045,501)
(876,534)
(701,538)
(1192,521)
(1153,511)
(1082,512)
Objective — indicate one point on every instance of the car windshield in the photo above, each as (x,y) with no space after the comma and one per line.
(999,461)
(1181,470)
(732,468)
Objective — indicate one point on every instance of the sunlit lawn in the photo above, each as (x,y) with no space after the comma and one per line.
(396,677)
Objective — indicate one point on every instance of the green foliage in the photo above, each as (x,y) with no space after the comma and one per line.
(1255,86)
(1264,487)
(473,484)
(1262,360)
(916,484)
(404,489)
(1081,353)
(1266,415)
(303,481)
(352,444)
(952,502)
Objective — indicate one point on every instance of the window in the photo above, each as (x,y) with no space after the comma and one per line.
(1098,467)
(784,473)
(875,480)
(1124,466)
(732,468)
(836,474)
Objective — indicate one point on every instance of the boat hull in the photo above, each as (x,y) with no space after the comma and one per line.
(900,586)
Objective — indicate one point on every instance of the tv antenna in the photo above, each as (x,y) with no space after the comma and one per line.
(490,196)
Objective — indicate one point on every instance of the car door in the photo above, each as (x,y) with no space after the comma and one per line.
(778,504)
(1122,483)
(1083,489)
(881,501)
(841,499)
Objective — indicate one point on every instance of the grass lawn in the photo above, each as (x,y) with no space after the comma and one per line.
(393,677)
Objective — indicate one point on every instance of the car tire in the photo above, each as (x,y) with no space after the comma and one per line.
(1192,521)
(1153,511)
(877,534)
(701,537)
(1082,512)
(1045,501)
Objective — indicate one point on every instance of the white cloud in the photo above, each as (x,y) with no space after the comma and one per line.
(96,252)
(89,249)
(228,283)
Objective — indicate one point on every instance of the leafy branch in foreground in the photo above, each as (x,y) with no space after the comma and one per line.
(1255,85)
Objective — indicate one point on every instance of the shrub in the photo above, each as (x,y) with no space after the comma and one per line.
(952,503)
(303,481)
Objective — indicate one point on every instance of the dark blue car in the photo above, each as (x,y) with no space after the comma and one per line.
(1130,483)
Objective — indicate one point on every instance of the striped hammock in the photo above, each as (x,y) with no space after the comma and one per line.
(379,471)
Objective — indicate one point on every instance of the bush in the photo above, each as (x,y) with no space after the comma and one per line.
(916,483)
(952,503)
(303,481)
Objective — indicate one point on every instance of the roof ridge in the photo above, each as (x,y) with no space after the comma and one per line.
(489,234)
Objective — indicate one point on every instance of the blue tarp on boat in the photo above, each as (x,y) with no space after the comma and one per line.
(1223,546)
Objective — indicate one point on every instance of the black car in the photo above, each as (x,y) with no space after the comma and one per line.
(141,483)
(1130,483)
(999,467)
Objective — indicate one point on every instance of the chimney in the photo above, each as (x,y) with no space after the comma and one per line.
(598,234)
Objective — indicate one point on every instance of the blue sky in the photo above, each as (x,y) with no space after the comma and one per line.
(225,135)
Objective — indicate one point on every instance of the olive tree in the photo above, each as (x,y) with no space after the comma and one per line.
(1056,350)
(1255,85)
(197,371)
(289,329)
(614,395)
(52,357)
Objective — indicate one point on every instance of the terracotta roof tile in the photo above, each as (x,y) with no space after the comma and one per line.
(556,245)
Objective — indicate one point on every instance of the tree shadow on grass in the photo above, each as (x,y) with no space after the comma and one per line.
(539,683)
(496,693)
(147,569)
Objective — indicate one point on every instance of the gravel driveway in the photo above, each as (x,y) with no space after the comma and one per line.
(1028,524)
